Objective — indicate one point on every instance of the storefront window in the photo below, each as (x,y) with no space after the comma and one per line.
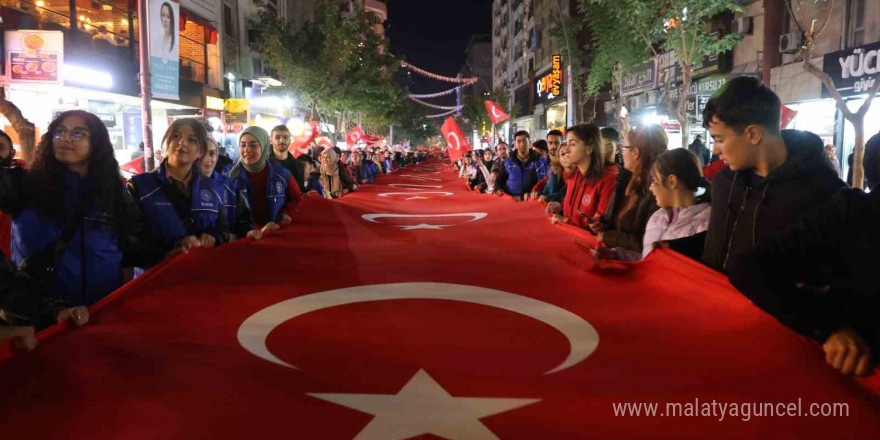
(106,20)
(193,65)
(31,14)
(815,116)
(556,116)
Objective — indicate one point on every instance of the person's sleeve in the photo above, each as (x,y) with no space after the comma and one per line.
(769,274)
(140,248)
(244,221)
(501,180)
(346,180)
(606,193)
(709,171)
(539,187)
(299,173)
(293,197)
(12,191)
(632,240)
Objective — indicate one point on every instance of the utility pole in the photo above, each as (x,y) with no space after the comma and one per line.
(146,93)
(569,81)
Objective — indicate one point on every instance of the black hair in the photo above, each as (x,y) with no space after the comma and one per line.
(6,136)
(742,102)
(554,133)
(307,159)
(681,163)
(522,133)
(173,21)
(103,186)
(281,127)
(541,144)
(609,133)
(198,129)
(590,135)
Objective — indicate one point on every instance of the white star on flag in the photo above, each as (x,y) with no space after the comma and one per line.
(424,407)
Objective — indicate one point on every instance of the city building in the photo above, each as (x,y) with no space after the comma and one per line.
(98,43)
(513,60)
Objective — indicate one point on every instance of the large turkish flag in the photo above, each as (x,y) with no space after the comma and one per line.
(456,141)
(416,309)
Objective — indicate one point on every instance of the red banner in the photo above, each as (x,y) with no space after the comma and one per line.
(496,113)
(354,135)
(417,309)
(457,144)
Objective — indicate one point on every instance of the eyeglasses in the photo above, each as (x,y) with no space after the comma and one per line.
(73,135)
(626,147)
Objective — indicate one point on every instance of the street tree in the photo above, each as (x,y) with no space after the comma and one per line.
(678,27)
(811,18)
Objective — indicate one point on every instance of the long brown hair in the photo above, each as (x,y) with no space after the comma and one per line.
(589,134)
(651,142)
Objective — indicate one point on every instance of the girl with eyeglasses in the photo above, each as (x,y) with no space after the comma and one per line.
(74,225)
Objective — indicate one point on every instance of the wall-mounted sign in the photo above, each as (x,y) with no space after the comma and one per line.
(639,79)
(549,86)
(34,56)
(237,111)
(214,103)
(853,70)
(165,48)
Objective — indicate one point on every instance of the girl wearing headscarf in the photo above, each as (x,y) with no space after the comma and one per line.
(270,190)
(331,177)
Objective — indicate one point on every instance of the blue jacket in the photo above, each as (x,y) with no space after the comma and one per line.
(388,164)
(228,190)
(206,207)
(374,171)
(276,188)
(91,266)
(542,168)
(519,178)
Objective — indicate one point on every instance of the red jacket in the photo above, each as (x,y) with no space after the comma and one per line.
(539,187)
(584,199)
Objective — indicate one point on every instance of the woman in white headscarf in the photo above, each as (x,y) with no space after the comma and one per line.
(330,180)
(271,192)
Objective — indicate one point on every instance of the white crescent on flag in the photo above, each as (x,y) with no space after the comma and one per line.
(453,135)
(495,112)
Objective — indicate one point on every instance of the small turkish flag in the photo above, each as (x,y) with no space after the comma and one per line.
(455,139)
(354,135)
(324,141)
(788,115)
(300,143)
(496,113)
(134,167)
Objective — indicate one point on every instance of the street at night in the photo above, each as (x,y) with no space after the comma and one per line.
(458,219)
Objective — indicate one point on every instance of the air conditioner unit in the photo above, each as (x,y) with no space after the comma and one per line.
(790,43)
(742,26)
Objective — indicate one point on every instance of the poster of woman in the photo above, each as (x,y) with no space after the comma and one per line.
(164,48)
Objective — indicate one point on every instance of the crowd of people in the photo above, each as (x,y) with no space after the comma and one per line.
(771,212)
(76,230)
(765,206)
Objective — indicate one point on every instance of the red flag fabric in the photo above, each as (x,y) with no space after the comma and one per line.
(134,167)
(788,115)
(300,143)
(457,143)
(496,113)
(324,142)
(448,314)
(354,135)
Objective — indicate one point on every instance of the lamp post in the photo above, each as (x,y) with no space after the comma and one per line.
(569,81)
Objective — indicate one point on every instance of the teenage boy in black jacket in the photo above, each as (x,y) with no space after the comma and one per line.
(845,315)
(773,176)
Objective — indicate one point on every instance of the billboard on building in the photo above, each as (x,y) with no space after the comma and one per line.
(165,48)
(34,56)
(853,71)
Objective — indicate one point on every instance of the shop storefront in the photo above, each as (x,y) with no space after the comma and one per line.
(549,98)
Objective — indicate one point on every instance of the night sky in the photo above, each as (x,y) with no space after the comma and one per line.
(433,35)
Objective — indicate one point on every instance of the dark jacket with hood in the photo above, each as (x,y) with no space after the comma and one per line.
(518,177)
(842,234)
(872,161)
(748,210)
